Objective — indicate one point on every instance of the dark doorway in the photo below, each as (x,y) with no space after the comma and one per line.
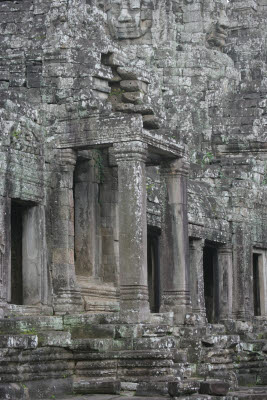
(153,269)
(256,285)
(211,289)
(16,253)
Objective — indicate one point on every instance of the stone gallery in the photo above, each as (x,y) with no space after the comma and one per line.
(133,199)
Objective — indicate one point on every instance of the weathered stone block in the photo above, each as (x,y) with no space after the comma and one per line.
(133,86)
(150,122)
(133,97)
(19,341)
(214,388)
(55,338)
(152,389)
(186,387)
(96,387)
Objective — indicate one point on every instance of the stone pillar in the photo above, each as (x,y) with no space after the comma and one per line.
(87,241)
(34,261)
(197,278)
(67,295)
(225,275)
(131,158)
(175,242)
(242,256)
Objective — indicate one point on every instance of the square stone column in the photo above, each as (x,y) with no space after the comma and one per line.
(131,158)
(197,278)
(225,271)
(175,242)
(67,296)
(242,261)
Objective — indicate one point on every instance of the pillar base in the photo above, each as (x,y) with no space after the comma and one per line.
(3,308)
(196,318)
(241,315)
(179,303)
(68,301)
(134,306)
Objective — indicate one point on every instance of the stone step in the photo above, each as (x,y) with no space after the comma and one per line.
(161,318)
(76,320)
(214,387)
(31,324)
(156,330)
(185,370)
(39,354)
(14,310)
(254,345)
(184,387)
(98,386)
(221,341)
(155,343)
(250,393)
(54,339)
(216,329)
(152,388)
(18,341)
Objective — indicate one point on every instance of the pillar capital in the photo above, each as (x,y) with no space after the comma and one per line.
(134,150)
(196,243)
(178,167)
(226,249)
(67,157)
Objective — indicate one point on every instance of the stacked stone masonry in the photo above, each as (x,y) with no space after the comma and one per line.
(133,199)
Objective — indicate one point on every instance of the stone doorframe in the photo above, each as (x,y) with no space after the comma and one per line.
(34,265)
(224,279)
(262,270)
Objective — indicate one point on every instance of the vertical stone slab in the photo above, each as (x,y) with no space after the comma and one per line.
(131,157)
(225,271)
(242,282)
(175,248)
(67,295)
(34,257)
(197,278)
(87,221)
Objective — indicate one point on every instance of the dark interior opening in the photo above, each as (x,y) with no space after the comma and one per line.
(153,269)
(211,292)
(16,253)
(256,285)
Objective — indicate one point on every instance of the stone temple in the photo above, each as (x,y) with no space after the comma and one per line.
(133,199)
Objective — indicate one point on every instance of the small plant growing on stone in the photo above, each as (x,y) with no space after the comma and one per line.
(207,158)
(16,133)
(264,182)
(149,188)
(99,165)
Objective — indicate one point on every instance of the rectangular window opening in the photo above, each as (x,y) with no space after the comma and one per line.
(256,284)
(153,269)
(211,292)
(16,253)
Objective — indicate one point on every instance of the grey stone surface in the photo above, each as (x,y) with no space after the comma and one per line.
(96,98)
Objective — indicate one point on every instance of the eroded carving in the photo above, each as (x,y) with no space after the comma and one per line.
(129,19)
(217,35)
